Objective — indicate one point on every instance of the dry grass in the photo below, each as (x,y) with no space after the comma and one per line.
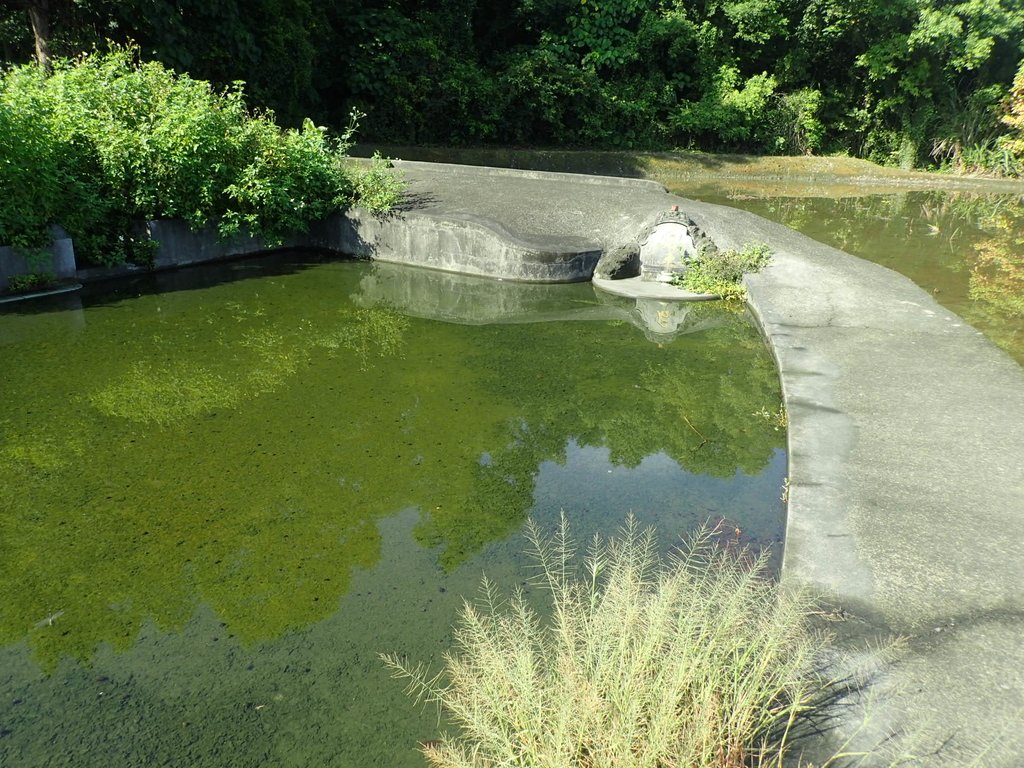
(698,660)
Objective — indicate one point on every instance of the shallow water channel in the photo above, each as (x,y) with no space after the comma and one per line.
(965,248)
(227,489)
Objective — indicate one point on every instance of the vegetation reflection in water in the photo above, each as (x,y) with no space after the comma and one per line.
(966,248)
(224,501)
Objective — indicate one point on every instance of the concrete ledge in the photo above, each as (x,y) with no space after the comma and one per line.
(906,496)
(637,288)
(463,243)
(66,288)
(478,171)
(451,242)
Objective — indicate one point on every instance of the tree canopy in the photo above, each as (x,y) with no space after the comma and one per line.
(909,82)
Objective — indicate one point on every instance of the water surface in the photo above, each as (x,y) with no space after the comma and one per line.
(228,489)
(965,248)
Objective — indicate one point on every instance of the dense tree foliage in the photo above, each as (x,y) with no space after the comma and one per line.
(897,81)
(100,144)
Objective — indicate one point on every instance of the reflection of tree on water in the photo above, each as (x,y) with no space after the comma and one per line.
(997,274)
(471,300)
(605,390)
(237,446)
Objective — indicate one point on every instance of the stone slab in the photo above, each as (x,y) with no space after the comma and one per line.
(638,288)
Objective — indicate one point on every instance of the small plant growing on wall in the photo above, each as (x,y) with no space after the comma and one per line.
(699,661)
(721,272)
(32,281)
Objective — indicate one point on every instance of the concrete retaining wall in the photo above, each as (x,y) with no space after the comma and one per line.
(59,261)
(459,243)
(466,245)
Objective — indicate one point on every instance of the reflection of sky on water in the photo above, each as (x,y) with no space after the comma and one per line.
(597,495)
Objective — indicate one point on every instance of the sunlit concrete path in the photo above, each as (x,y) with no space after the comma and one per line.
(906,437)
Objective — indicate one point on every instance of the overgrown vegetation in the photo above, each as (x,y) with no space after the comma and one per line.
(905,82)
(721,272)
(106,142)
(699,661)
(32,281)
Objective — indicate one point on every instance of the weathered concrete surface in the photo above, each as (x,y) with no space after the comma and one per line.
(59,261)
(906,498)
(638,288)
(454,241)
(515,225)
(469,232)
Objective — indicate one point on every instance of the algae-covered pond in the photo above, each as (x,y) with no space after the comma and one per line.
(226,490)
(965,248)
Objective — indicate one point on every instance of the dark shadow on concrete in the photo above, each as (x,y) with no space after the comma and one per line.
(624,164)
(412,201)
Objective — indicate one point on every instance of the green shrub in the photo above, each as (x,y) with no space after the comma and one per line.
(33,281)
(700,661)
(107,141)
(378,187)
(47,176)
(290,179)
(721,272)
(729,112)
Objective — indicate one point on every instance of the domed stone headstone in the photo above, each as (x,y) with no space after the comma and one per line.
(668,245)
(665,251)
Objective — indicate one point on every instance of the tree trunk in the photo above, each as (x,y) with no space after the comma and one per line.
(39,14)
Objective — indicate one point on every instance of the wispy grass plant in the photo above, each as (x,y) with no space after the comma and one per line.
(697,660)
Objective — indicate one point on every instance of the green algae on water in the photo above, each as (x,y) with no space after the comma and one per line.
(249,488)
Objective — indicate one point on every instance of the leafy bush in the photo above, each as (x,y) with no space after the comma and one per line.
(701,661)
(33,281)
(288,180)
(728,112)
(107,141)
(46,175)
(1014,117)
(378,187)
(721,272)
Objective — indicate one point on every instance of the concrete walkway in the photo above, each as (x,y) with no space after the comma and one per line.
(906,450)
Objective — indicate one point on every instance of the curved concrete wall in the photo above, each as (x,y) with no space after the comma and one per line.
(906,491)
(466,245)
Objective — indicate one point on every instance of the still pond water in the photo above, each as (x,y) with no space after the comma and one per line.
(226,490)
(965,248)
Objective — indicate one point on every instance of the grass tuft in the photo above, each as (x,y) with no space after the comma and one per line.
(699,660)
(721,272)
